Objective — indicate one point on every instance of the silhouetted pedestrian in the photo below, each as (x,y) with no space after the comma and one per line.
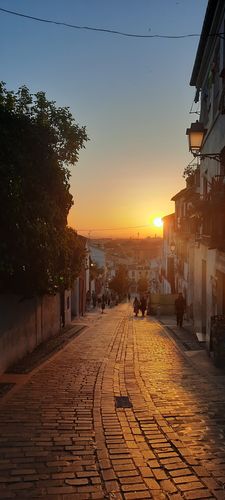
(180,306)
(143,305)
(136,306)
(103,303)
(88,299)
(94,299)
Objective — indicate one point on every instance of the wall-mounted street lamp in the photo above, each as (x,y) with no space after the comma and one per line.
(196,134)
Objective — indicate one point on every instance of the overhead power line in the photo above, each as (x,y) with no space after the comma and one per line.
(103,30)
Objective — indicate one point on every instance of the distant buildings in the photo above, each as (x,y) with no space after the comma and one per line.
(136,273)
(141,258)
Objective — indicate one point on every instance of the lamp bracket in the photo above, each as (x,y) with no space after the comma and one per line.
(211,156)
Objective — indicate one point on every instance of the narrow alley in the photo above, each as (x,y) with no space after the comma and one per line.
(67,434)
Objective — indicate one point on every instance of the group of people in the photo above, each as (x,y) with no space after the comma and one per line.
(103,301)
(93,300)
(140,305)
(180,307)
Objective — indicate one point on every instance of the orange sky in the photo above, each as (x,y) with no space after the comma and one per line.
(102,205)
(132,95)
(136,114)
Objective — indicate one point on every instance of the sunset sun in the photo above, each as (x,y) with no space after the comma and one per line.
(158,222)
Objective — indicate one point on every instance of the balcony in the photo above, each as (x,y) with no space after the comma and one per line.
(206,217)
(186,226)
(215,218)
(217,193)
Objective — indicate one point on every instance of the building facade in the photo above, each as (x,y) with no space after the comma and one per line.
(200,207)
(168,255)
(208,77)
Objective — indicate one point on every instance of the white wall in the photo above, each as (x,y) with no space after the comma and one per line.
(166,287)
(97,255)
(203,253)
(75,298)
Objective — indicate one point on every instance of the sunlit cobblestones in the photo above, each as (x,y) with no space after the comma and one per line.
(62,436)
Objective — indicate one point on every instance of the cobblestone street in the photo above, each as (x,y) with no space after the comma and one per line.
(64,436)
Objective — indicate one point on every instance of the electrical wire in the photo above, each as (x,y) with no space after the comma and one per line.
(103,30)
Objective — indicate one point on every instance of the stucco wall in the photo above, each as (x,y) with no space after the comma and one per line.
(24,324)
(163,304)
(75,298)
(209,256)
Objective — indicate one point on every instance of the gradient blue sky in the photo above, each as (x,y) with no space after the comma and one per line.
(132,95)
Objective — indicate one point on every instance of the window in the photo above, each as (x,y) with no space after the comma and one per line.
(205,105)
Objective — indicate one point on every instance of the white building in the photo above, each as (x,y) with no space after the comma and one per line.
(168,255)
(137,272)
(200,211)
(97,255)
(208,77)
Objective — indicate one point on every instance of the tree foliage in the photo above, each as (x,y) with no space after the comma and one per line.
(142,285)
(38,144)
(189,171)
(120,283)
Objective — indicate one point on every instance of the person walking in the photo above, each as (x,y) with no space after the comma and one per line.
(88,300)
(103,303)
(143,305)
(136,306)
(94,299)
(180,306)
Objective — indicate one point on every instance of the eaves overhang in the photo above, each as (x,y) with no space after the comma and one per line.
(178,195)
(168,217)
(213,7)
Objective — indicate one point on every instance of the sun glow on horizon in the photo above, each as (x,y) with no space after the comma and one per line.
(158,222)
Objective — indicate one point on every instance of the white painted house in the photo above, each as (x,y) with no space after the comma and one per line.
(208,77)
(200,207)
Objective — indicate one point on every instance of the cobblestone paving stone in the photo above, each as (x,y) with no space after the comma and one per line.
(62,437)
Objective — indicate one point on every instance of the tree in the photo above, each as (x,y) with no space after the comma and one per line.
(120,283)
(142,286)
(38,144)
(95,270)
